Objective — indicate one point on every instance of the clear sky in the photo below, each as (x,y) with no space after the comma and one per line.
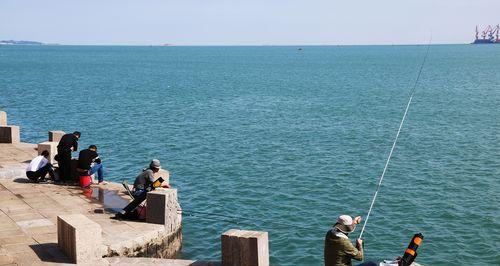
(250,22)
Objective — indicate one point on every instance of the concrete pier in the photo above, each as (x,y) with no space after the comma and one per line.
(49,146)
(29,218)
(56,135)
(245,248)
(79,238)
(3,118)
(9,134)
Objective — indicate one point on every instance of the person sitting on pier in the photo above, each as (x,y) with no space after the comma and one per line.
(144,180)
(338,249)
(142,185)
(89,163)
(39,167)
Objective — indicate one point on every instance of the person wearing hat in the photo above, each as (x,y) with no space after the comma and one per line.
(144,180)
(339,251)
(142,185)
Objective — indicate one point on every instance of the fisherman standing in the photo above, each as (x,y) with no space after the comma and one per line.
(339,251)
(67,144)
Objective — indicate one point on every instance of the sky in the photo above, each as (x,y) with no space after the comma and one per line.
(250,22)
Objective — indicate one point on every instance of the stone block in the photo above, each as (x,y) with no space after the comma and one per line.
(79,238)
(56,135)
(9,134)
(244,248)
(164,174)
(49,146)
(162,208)
(3,118)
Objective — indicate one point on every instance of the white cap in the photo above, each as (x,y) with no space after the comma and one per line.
(345,224)
(344,220)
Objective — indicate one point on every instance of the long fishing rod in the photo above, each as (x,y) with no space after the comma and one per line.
(396,138)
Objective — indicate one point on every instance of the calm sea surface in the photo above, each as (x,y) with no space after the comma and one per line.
(282,140)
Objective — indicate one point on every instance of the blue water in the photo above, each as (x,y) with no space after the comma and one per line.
(286,140)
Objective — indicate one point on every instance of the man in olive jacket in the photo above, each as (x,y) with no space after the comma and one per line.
(339,251)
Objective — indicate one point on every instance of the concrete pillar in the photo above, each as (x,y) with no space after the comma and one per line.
(162,206)
(56,135)
(79,238)
(48,146)
(9,134)
(3,118)
(244,248)
(164,174)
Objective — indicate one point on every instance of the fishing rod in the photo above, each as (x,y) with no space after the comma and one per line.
(396,138)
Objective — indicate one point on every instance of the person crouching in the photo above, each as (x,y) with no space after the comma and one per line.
(39,167)
(89,163)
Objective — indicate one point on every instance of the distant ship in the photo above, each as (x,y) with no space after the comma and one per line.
(488,36)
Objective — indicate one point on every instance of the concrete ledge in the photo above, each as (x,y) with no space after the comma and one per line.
(162,208)
(9,134)
(49,146)
(41,203)
(3,118)
(244,248)
(56,135)
(79,238)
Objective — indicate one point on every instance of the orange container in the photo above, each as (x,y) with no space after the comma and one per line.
(85,181)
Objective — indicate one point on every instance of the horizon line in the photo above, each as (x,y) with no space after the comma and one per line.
(228,45)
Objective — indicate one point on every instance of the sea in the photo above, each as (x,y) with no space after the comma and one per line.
(284,139)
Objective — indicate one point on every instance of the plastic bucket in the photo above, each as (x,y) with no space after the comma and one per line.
(85,181)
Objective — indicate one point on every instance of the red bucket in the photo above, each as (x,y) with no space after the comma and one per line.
(85,181)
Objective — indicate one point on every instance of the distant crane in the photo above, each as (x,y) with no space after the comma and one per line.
(494,33)
(488,35)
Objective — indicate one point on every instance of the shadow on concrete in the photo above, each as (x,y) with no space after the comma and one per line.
(50,252)
(22,180)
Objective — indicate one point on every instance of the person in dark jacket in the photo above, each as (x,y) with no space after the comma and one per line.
(142,185)
(144,180)
(67,144)
(339,251)
(89,163)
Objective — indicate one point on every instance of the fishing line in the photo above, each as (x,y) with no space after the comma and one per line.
(233,218)
(396,138)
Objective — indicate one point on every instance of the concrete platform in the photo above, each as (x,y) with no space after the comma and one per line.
(16,153)
(28,215)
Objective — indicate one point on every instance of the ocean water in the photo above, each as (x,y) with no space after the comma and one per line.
(282,140)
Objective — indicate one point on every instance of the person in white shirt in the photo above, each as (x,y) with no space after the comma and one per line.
(39,167)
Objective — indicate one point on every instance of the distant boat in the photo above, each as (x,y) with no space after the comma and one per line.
(300,49)
(488,36)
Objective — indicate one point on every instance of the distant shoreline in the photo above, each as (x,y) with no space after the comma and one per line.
(23,42)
